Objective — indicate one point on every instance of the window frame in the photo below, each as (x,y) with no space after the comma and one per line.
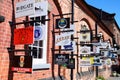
(42,63)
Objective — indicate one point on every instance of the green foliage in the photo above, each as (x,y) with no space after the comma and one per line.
(100,78)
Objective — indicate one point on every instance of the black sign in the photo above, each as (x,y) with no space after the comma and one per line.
(62,23)
(22,64)
(61,59)
(71,64)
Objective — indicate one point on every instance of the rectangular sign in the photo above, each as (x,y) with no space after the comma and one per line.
(41,9)
(25,8)
(62,39)
(85,50)
(22,64)
(61,59)
(71,46)
(23,36)
(85,37)
(39,32)
(62,23)
(86,61)
(71,64)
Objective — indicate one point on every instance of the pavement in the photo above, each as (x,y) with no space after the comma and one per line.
(113,78)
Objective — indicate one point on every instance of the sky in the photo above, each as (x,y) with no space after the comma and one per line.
(110,6)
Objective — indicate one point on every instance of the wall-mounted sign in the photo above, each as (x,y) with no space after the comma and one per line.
(86,61)
(61,59)
(22,64)
(71,64)
(62,39)
(62,23)
(24,8)
(39,32)
(41,9)
(23,36)
(85,37)
(85,50)
(70,46)
(97,61)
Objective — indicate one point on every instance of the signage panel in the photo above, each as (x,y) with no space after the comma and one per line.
(62,23)
(62,39)
(85,50)
(41,9)
(71,46)
(61,59)
(22,64)
(71,64)
(97,61)
(85,37)
(39,32)
(86,61)
(25,8)
(23,36)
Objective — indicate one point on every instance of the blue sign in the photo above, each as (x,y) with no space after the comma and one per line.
(63,23)
(38,33)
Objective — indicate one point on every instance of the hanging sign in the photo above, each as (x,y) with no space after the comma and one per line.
(24,8)
(86,61)
(23,36)
(61,59)
(62,39)
(97,61)
(41,9)
(71,64)
(62,23)
(39,32)
(85,50)
(70,46)
(85,37)
(22,64)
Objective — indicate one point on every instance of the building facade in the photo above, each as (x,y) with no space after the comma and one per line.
(43,50)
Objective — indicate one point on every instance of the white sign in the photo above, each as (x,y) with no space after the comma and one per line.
(71,46)
(62,39)
(85,37)
(41,9)
(39,32)
(85,50)
(24,8)
(85,63)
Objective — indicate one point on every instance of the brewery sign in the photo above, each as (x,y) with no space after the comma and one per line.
(62,39)
(39,32)
(86,61)
(71,46)
(85,37)
(24,8)
(61,59)
(62,23)
(85,50)
(22,64)
(41,8)
(23,35)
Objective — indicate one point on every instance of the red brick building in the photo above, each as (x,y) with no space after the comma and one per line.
(43,60)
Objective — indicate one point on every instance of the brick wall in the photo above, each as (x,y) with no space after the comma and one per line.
(5,39)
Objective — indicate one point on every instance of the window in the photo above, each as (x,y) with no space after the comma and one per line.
(39,48)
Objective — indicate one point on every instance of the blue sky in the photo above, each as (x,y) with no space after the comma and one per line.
(110,6)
